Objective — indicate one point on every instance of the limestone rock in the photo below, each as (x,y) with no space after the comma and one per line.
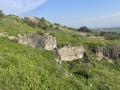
(13,38)
(46,41)
(32,18)
(2,35)
(69,53)
(111,52)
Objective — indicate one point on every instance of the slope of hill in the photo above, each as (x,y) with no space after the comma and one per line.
(27,68)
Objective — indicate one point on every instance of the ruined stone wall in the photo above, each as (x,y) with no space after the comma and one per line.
(46,41)
(69,53)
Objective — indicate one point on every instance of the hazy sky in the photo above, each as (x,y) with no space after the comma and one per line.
(73,13)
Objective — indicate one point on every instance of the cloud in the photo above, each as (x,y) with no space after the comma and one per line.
(111,20)
(19,6)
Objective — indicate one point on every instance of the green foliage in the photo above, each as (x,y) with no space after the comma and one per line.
(23,67)
(27,68)
(102,74)
(103,87)
(110,35)
(57,24)
(84,29)
(30,22)
(15,25)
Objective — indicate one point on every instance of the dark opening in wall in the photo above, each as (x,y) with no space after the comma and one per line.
(75,55)
(119,56)
(84,54)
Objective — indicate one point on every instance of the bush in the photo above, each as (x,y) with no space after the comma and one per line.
(110,35)
(84,29)
(103,87)
(87,74)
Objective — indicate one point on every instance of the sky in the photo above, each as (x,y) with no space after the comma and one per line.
(71,13)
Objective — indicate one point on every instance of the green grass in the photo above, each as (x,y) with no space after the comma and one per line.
(14,26)
(103,73)
(27,68)
(110,30)
(23,67)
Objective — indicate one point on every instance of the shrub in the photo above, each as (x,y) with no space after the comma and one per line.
(110,35)
(84,29)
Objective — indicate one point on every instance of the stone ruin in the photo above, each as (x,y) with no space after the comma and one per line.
(66,53)
(46,41)
(69,53)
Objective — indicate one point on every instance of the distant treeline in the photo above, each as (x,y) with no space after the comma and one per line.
(111,28)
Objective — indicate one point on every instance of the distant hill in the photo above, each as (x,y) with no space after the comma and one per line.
(111,28)
(116,29)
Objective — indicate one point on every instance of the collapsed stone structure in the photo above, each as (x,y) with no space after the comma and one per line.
(66,53)
(46,41)
(69,53)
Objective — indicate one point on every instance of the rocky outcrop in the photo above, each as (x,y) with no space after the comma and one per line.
(69,53)
(110,52)
(114,52)
(46,41)
(13,38)
(101,52)
(2,35)
(31,18)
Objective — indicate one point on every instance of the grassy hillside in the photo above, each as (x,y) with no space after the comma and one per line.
(14,25)
(110,30)
(24,68)
(27,68)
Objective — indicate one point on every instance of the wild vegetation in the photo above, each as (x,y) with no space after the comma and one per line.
(84,29)
(27,68)
(110,35)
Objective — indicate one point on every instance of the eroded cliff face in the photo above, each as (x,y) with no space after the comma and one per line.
(110,52)
(70,53)
(46,41)
(114,52)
